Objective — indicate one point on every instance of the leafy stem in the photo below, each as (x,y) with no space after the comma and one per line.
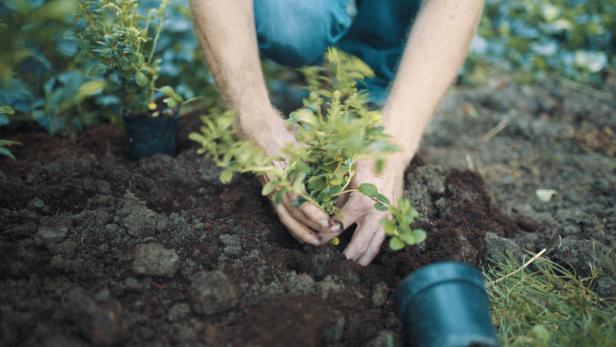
(335,128)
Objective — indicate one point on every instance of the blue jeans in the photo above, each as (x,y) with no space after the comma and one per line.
(298,32)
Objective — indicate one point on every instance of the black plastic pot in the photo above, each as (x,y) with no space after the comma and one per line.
(146,136)
(445,305)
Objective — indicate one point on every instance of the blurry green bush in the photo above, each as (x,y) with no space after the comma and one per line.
(41,80)
(572,38)
(38,76)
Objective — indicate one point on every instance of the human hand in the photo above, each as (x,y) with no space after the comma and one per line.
(272,135)
(359,209)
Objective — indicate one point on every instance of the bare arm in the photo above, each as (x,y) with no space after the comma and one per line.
(226,31)
(434,53)
(433,56)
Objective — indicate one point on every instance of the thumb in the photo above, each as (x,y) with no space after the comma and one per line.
(354,209)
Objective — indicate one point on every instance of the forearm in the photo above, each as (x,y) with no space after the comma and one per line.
(226,31)
(434,53)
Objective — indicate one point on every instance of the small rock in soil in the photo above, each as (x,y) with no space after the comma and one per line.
(467,253)
(102,323)
(499,249)
(232,245)
(211,293)
(155,260)
(606,287)
(300,284)
(138,219)
(50,234)
(320,259)
(380,294)
(330,284)
(37,203)
(423,186)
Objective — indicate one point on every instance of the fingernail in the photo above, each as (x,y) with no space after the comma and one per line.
(336,227)
(324,223)
(315,242)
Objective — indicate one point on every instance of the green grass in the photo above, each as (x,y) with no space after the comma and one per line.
(547,305)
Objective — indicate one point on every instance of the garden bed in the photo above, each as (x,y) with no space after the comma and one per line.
(97,250)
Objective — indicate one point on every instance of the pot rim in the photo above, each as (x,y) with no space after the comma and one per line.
(431,276)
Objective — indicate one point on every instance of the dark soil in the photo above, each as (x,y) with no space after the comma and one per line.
(96,250)
(557,135)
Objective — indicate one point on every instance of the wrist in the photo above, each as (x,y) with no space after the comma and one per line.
(256,121)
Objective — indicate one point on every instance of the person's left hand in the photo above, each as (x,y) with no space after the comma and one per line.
(359,209)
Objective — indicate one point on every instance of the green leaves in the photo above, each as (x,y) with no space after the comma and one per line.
(267,188)
(5,152)
(141,79)
(118,38)
(371,191)
(412,237)
(399,225)
(368,189)
(334,128)
(396,244)
(7,110)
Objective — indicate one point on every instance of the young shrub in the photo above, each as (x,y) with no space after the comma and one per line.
(38,76)
(124,44)
(336,129)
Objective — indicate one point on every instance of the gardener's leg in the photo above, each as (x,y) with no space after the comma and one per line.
(297,32)
(377,36)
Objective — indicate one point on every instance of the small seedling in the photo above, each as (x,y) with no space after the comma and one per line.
(335,128)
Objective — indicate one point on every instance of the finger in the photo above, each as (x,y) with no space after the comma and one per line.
(297,230)
(342,200)
(328,236)
(373,248)
(299,216)
(354,208)
(360,242)
(317,215)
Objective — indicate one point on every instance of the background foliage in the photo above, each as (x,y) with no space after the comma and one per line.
(40,79)
(572,38)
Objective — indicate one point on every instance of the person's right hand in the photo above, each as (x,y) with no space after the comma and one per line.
(270,132)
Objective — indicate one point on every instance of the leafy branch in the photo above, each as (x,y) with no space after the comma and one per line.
(335,128)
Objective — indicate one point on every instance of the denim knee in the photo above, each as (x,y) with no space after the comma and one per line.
(297,32)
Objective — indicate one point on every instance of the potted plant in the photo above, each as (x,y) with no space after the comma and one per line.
(120,44)
(445,304)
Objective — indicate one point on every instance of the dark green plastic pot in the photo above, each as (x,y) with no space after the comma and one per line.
(445,305)
(146,136)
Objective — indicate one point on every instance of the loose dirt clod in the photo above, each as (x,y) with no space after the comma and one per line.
(154,260)
(211,293)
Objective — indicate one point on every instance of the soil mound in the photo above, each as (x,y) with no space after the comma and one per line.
(76,217)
